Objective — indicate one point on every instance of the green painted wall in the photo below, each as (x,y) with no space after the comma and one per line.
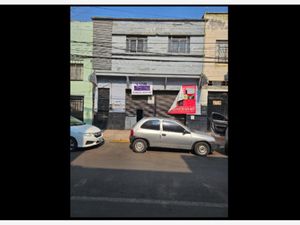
(83,32)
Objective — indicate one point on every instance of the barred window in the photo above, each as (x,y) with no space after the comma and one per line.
(136,44)
(179,44)
(76,71)
(222,51)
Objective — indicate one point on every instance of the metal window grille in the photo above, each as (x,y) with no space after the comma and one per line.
(179,44)
(222,51)
(76,71)
(136,44)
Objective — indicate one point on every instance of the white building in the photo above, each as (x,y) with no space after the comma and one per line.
(162,54)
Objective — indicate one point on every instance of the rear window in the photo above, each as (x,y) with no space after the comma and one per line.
(151,125)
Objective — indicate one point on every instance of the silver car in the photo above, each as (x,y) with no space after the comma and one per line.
(169,133)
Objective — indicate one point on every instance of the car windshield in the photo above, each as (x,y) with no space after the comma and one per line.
(75,122)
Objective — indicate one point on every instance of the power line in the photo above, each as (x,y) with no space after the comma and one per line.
(152,43)
(137,59)
(153,53)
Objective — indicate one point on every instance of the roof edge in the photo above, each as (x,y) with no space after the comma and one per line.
(146,19)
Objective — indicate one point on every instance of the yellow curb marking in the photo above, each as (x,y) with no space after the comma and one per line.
(120,141)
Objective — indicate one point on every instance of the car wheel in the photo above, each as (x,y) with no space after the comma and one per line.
(73,144)
(202,149)
(139,146)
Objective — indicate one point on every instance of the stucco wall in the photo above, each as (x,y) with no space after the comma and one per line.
(83,32)
(216,29)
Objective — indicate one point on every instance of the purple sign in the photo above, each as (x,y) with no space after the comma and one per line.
(141,88)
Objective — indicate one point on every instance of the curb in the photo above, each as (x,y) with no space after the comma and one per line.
(119,141)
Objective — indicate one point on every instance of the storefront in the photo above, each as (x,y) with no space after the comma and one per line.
(122,101)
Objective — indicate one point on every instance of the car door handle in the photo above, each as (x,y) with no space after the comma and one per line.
(163,135)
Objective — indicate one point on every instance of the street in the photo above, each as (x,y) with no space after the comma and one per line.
(111,181)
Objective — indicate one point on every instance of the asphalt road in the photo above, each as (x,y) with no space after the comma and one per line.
(113,181)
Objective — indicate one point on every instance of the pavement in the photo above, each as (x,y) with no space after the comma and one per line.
(111,181)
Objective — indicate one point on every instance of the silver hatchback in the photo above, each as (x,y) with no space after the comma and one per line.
(169,133)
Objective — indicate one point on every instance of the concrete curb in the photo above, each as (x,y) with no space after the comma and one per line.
(119,141)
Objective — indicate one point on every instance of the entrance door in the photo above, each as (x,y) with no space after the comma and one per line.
(77,107)
(139,114)
(217,103)
(101,117)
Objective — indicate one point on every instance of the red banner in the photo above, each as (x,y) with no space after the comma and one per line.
(185,102)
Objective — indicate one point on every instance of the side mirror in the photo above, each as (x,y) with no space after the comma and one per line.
(186,132)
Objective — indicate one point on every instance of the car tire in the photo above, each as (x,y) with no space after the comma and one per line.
(139,146)
(202,149)
(73,144)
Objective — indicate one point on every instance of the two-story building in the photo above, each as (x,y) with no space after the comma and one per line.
(215,94)
(140,66)
(81,96)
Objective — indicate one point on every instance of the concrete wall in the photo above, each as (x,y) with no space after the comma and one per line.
(102,39)
(83,32)
(158,27)
(158,43)
(157,33)
(216,28)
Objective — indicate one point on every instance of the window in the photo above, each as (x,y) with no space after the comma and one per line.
(222,51)
(76,71)
(217,83)
(151,125)
(77,105)
(179,44)
(172,127)
(136,44)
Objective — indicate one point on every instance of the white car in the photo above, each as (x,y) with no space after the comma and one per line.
(83,135)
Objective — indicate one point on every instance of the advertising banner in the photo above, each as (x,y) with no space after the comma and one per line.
(185,102)
(141,88)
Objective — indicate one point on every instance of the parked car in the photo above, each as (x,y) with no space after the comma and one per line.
(219,126)
(226,141)
(169,133)
(83,135)
(218,123)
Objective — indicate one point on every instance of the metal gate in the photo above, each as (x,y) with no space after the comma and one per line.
(77,103)
(101,117)
(163,100)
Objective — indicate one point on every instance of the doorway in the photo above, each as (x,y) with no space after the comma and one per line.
(139,114)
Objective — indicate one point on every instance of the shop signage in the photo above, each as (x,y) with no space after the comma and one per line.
(217,102)
(185,102)
(141,88)
(118,105)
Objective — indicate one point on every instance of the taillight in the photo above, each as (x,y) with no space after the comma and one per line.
(131,133)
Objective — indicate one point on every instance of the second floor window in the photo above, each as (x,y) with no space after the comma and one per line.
(179,44)
(76,71)
(136,44)
(222,51)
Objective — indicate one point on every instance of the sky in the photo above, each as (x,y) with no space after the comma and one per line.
(84,13)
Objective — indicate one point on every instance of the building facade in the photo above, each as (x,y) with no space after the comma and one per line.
(81,96)
(215,94)
(140,66)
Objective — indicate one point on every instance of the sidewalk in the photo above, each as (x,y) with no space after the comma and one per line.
(121,136)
